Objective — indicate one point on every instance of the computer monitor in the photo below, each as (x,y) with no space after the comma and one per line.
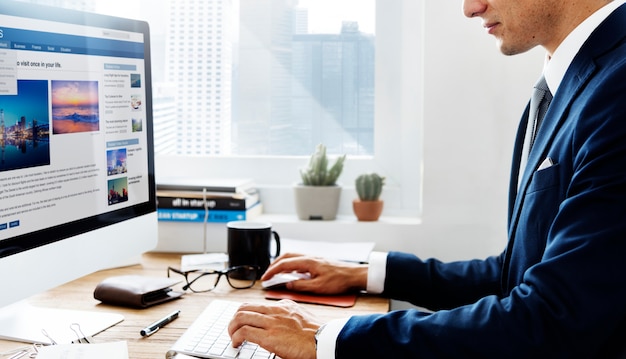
(77,190)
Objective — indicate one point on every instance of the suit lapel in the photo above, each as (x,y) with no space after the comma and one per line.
(572,83)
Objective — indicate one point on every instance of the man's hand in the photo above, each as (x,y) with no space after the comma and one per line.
(327,277)
(284,328)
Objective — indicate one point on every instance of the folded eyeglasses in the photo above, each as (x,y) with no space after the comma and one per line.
(198,281)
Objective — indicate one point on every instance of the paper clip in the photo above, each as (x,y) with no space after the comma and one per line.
(82,338)
(45,333)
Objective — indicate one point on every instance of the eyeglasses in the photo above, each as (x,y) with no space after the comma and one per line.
(198,281)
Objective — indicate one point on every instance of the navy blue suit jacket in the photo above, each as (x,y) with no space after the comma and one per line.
(559,288)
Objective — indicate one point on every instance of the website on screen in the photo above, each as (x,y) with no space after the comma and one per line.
(73,142)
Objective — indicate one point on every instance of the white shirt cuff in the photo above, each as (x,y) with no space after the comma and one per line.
(376,272)
(327,340)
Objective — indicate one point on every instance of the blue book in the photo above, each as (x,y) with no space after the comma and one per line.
(215,215)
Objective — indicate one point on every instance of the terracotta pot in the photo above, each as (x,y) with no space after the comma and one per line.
(367,210)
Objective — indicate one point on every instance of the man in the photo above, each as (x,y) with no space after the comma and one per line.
(559,288)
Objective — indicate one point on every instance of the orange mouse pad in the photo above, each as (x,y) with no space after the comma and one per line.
(344,301)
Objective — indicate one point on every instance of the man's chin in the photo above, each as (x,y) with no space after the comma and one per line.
(510,50)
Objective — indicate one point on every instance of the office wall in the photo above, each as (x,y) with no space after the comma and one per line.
(473,97)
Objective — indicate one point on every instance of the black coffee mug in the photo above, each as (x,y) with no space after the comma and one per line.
(249,244)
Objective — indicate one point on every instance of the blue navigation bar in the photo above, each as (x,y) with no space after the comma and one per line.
(69,44)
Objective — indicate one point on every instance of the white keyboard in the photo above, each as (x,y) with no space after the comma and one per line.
(207,337)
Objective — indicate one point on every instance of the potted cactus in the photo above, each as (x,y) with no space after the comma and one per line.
(317,196)
(368,206)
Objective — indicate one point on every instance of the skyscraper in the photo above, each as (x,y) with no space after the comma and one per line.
(333,90)
(301,21)
(164,117)
(199,54)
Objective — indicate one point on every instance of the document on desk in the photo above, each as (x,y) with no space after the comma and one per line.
(205,261)
(113,350)
(346,251)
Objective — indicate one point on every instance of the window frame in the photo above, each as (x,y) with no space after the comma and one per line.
(397,137)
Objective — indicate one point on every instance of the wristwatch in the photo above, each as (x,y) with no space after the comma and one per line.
(318,333)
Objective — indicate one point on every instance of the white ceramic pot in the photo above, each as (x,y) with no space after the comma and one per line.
(317,202)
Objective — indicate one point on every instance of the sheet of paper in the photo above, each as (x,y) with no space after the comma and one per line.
(28,323)
(345,251)
(113,350)
(207,261)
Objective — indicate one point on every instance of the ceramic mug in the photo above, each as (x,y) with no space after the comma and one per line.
(249,243)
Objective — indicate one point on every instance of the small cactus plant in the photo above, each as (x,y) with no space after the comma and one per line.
(317,173)
(369,186)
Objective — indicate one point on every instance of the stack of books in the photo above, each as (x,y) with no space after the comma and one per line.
(211,200)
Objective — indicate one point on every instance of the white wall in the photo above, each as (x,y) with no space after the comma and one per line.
(473,97)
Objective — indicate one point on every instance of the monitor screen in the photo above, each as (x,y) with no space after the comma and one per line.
(77,186)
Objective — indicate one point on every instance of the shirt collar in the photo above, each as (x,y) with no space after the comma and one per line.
(556,66)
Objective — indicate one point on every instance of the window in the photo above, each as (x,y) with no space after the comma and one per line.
(397,140)
(366,91)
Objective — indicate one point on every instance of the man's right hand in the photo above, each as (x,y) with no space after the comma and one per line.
(327,277)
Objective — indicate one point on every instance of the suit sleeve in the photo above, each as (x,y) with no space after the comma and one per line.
(437,285)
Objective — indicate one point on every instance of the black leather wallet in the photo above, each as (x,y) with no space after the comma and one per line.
(136,291)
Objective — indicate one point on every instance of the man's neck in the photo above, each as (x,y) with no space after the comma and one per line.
(572,14)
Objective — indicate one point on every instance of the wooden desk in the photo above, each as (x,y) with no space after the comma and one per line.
(78,295)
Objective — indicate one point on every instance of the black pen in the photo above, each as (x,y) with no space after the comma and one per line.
(152,328)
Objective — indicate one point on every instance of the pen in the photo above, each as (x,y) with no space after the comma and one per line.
(152,328)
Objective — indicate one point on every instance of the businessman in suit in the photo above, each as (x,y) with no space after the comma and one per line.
(558,290)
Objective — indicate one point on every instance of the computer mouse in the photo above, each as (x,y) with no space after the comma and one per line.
(281,279)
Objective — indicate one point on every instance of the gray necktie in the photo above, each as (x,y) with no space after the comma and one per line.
(539,102)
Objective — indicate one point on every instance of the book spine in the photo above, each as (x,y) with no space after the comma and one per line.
(196,215)
(198,203)
(239,186)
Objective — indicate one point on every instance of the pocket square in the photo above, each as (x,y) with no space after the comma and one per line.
(545,164)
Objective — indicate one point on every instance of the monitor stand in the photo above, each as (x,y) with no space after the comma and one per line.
(27,323)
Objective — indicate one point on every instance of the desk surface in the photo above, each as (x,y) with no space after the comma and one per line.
(78,295)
